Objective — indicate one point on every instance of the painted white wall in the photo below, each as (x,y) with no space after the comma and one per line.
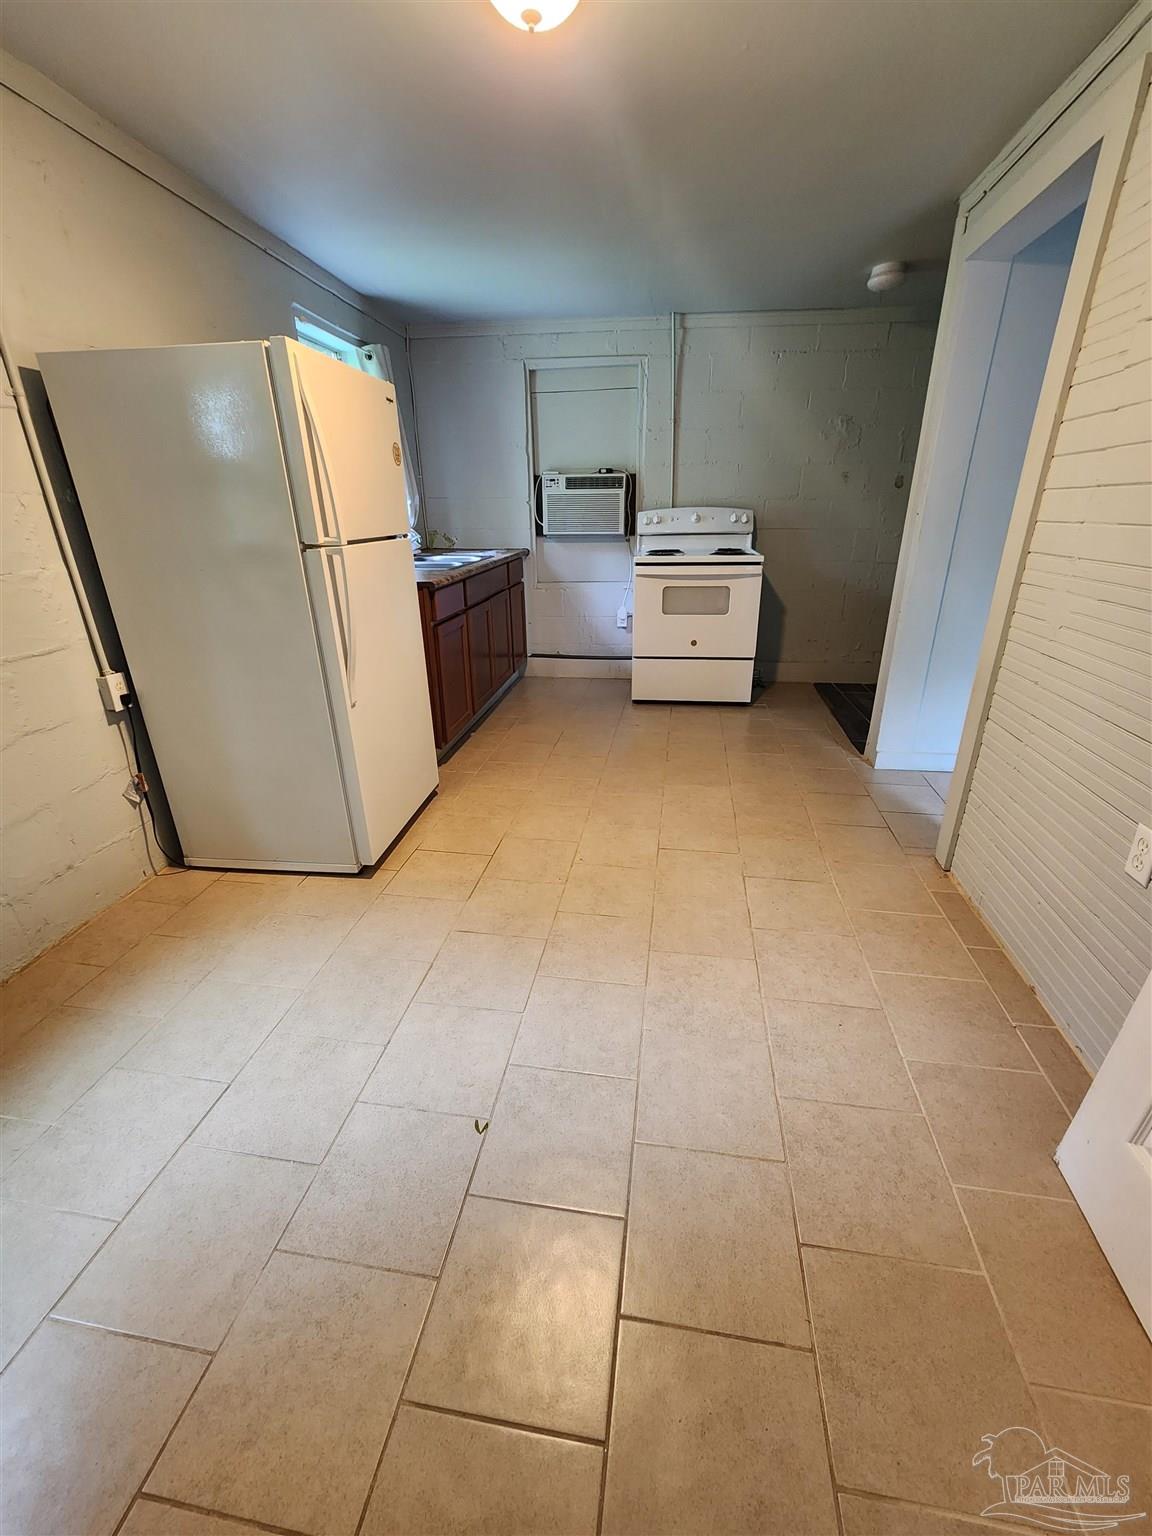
(98,252)
(809,418)
(1064,766)
(584,417)
(1012,304)
(1036,284)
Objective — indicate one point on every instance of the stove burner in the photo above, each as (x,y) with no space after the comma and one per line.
(663,554)
(724,549)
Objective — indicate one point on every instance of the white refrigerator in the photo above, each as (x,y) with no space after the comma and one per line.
(246,504)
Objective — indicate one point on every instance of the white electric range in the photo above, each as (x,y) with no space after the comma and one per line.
(696,605)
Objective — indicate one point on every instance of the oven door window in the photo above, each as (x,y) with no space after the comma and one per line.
(696,599)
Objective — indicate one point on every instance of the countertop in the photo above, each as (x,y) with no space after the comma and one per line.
(457,564)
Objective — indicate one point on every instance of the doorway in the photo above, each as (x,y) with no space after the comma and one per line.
(1011,292)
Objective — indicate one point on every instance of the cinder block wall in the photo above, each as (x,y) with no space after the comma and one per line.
(814,425)
(810,419)
(71,843)
(105,246)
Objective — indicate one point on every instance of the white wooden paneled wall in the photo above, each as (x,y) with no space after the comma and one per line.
(1064,771)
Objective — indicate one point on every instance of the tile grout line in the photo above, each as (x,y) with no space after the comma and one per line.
(400,1396)
(214,1353)
(983,1272)
(1015,1194)
(215,1514)
(983,1268)
(546,1205)
(116,1224)
(715,1333)
(127,1333)
(530,788)
(821,1396)
(564,1436)
(1040,1067)
(614,1354)
(900,1258)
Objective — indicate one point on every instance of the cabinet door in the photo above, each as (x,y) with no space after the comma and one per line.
(519,626)
(453,692)
(500,630)
(480,654)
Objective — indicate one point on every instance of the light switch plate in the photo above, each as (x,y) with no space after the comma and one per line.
(1139,862)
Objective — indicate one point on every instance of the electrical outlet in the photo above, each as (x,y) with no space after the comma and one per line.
(113,686)
(1139,862)
(132,793)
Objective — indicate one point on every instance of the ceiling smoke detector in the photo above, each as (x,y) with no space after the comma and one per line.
(541,17)
(886,275)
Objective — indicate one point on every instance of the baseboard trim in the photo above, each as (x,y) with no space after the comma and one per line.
(771,672)
(579,666)
(768,672)
(922,762)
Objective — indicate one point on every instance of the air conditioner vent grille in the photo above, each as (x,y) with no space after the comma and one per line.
(585,506)
(594,482)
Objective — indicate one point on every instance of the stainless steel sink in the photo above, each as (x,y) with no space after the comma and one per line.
(447,558)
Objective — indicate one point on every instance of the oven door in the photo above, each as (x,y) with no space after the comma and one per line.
(696,610)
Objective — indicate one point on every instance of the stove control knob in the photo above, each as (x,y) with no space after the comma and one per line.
(695,517)
(655,517)
(743,517)
(733,518)
(646,519)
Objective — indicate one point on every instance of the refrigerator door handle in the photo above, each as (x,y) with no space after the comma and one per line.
(327,495)
(343,605)
(351,630)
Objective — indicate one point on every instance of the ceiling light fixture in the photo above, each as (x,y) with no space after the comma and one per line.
(886,275)
(541,17)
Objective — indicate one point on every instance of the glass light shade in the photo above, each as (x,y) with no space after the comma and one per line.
(535,15)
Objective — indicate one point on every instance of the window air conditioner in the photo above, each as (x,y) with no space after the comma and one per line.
(588,505)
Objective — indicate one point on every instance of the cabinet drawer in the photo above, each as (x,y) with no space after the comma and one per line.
(445,601)
(487,584)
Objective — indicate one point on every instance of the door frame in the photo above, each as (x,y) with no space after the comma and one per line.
(1098,107)
(1111,123)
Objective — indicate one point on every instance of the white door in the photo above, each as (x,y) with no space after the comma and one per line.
(1106,1156)
(367,615)
(342,444)
(696,611)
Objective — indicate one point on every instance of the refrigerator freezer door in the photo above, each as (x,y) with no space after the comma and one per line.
(368,619)
(342,443)
(176,456)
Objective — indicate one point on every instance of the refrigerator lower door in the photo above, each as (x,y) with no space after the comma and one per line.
(367,615)
(343,447)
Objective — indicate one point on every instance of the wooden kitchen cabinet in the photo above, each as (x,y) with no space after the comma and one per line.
(475,641)
(452,694)
(500,638)
(519,626)
(480,654)
(490,646)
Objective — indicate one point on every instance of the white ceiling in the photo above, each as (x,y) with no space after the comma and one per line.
(649,155)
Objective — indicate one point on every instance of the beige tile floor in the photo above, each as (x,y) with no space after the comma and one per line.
(657,1143)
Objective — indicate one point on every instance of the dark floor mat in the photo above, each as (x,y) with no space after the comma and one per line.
(852,705)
